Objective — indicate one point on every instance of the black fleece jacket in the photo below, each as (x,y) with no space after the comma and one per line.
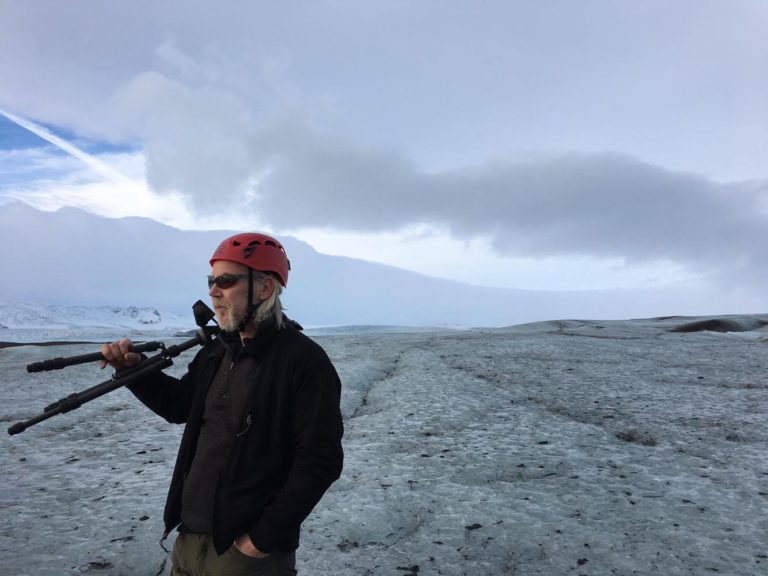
(288,451)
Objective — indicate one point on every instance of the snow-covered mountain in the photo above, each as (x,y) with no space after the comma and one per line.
(74,258)
(19,314)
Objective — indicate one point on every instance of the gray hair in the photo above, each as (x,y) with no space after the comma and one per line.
(272,305)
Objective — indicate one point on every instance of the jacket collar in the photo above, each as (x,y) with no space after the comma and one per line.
(266,332)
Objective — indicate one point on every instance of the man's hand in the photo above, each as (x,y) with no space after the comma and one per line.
(243,544)
(119,355)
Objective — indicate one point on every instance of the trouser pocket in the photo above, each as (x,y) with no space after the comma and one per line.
(235,563)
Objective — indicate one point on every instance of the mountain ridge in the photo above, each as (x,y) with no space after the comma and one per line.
(74,257)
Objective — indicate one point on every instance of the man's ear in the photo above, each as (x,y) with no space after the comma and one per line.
(265,287)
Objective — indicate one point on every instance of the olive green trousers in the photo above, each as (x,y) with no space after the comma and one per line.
(194,555)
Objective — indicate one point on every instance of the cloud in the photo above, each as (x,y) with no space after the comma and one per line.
(601,205)
(194,138)
(290,175)
(357,119)
(204,146)
(448,82)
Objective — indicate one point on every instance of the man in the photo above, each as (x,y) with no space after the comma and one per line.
(263,432)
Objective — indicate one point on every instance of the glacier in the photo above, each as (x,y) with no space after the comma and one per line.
(557,447)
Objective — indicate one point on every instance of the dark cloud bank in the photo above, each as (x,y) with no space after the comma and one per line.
(600,205)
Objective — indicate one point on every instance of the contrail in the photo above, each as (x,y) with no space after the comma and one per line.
(102,168)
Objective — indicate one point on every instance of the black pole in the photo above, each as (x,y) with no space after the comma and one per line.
(59,363)
(146,367)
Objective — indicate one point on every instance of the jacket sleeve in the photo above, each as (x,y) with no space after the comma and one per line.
(167,396)
(318,455)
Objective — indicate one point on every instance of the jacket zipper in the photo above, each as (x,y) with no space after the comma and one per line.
(229,379)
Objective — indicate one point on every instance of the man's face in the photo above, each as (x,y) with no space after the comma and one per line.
(230,304)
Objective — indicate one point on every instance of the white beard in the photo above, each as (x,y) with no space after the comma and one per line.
(232,322)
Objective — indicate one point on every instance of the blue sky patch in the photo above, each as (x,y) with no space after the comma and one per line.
(14,137)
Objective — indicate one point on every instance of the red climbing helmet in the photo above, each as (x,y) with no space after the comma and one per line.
(257,251)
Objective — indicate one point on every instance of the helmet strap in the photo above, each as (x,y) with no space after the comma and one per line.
(251,309)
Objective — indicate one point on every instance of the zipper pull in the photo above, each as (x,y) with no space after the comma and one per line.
(248,422)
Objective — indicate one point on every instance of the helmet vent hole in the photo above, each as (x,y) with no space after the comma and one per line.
(254,243)
(270,243)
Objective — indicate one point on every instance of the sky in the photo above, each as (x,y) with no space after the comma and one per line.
(542,145)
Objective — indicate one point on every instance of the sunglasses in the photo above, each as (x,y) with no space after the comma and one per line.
(225,280)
